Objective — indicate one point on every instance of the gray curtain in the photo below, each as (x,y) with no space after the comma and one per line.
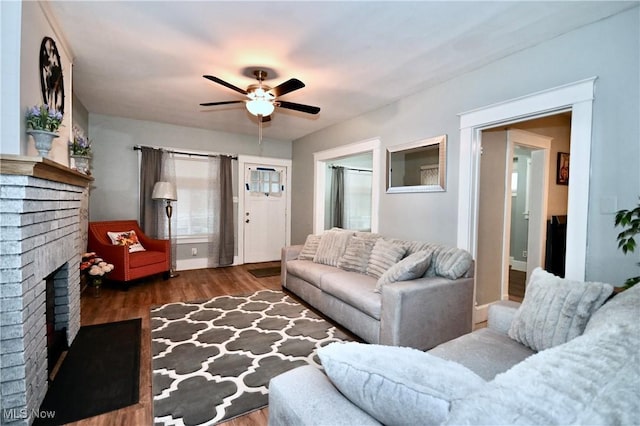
(227,243)
(150,173)
(337,197)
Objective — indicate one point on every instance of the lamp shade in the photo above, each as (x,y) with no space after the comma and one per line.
(164,191)
(260,107)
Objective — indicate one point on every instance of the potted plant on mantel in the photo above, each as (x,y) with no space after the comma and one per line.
(629,220)
(42,123)
(80,150)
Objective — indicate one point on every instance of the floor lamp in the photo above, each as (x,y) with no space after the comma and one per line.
(167,191)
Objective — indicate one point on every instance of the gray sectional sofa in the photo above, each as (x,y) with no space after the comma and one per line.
(385,291)
(559,358)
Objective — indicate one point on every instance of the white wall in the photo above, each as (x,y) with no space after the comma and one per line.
(608,49)
(36,26)
(114,194)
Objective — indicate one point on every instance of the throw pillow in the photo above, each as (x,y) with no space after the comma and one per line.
(397,385)
(332,245)
(555,310)
(356,256)
(409,268)
(384,255)
(310,247)
(128,238)
(451,262)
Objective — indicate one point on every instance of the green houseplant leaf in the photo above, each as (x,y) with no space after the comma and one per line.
(629,221)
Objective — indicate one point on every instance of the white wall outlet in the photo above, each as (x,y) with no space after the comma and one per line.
(194,251)
(524,254)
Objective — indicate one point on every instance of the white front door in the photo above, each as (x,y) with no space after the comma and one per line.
(265,212)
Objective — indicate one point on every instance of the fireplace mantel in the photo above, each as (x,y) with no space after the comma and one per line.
(43,168)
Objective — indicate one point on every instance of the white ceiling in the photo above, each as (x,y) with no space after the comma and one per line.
(145,60)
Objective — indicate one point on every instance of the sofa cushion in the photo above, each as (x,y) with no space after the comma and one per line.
(397,385)
(590,380)
(384,255)
(555,310)
(146,258)
(310,247)
(409,268)
(309,271)
(332,245)
(356,255)
(486,352)
(354,289)
(623,308)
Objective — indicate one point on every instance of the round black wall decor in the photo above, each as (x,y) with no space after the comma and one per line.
(51,81)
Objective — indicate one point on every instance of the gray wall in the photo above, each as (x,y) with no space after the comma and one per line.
(609,49)
(114,194)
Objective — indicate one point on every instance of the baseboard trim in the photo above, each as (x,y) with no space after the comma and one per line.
(481,314)
(519,265)
(199,263)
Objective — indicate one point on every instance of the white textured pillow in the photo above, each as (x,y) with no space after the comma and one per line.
(126,238)
(356,256)
(384,255)
(555,310)
(397,385)
(332,245)
(310,247)
(409,268)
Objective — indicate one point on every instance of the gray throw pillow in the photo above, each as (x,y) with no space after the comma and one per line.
(332,245)
(555,310)
(451,262)
(409,268)
(384,255)
(397,385)
(310,247)
(356,256)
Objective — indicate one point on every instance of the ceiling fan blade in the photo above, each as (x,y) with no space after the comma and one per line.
(225,84)
(220,103)
(287,87)
(298,107)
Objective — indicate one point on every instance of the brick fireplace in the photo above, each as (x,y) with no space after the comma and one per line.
(40,242)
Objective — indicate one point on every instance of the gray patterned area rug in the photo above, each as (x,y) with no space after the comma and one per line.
(212,360)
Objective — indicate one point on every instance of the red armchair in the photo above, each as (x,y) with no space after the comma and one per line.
(129,266)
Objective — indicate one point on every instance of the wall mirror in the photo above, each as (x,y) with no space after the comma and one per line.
(418,166)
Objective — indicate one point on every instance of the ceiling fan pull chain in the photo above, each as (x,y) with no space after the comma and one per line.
(260,130)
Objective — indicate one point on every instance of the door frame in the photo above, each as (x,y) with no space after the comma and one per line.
(536,143)
(267,161)
(577,97)
(320,160)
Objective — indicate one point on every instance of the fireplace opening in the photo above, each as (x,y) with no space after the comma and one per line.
(56,333)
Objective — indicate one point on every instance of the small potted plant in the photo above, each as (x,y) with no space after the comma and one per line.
(80,150)
(42,124)
(629,220)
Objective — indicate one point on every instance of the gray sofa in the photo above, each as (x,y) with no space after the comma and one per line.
(419,313)
(587,370)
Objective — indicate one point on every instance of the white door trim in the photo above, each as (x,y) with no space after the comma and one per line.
(280,162)
(320,160)
(578,97)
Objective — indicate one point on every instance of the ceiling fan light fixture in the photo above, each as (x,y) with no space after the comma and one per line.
(261,107)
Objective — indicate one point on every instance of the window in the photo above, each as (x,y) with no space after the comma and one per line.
(265,181)
(357,200)
(195,179)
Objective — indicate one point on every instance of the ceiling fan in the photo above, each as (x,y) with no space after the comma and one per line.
(262,99)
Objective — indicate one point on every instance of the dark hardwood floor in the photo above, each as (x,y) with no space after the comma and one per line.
(115,304)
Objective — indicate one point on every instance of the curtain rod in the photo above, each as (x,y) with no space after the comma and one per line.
(351,168)
(190,154)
